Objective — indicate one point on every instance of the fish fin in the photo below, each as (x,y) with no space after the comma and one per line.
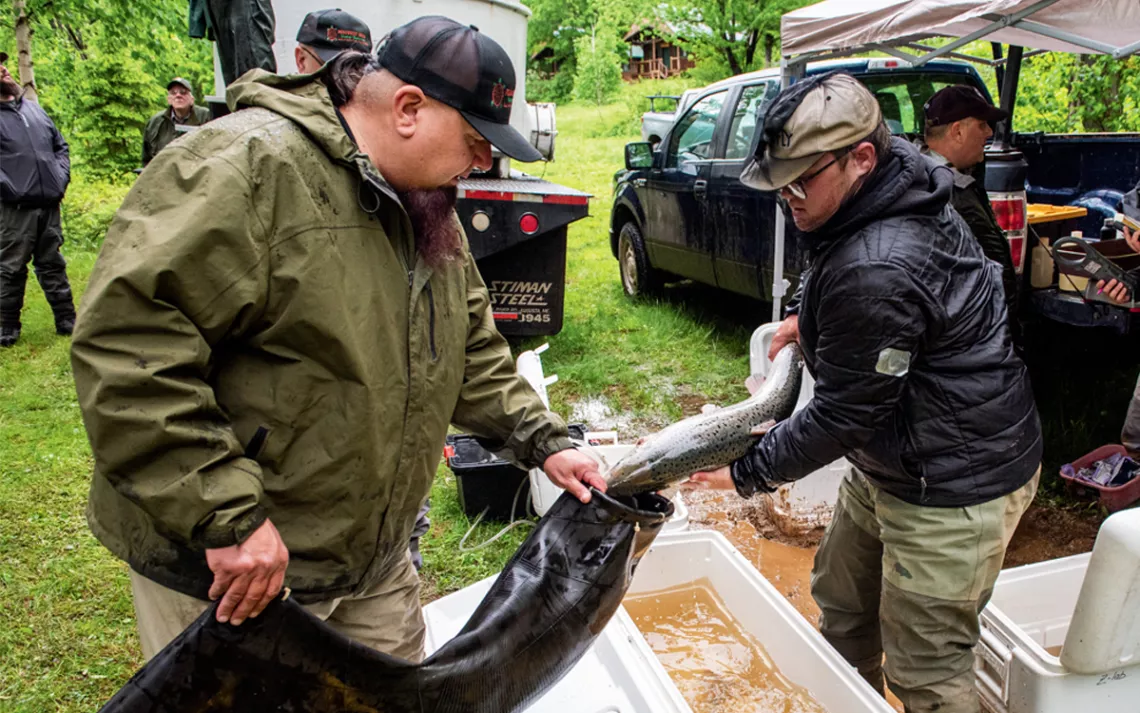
(753,383)
(762,428)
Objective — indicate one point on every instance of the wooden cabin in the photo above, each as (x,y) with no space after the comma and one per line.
(651,56)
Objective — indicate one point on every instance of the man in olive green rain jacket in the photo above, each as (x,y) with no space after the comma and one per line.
(259,343)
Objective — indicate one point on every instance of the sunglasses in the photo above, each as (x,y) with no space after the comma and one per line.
(798,187)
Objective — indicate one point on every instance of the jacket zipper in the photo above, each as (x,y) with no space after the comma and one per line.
(922,491)
(431,321)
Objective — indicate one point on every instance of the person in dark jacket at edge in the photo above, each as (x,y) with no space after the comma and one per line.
(166,125)
(242,31)
(958,122)
(903,324)
(35,168)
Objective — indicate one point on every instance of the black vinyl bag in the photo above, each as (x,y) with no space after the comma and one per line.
(547,606)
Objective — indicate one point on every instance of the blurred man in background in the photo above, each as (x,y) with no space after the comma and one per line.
(176,119)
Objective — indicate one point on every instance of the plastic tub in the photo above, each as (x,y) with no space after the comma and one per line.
(1114,499)
(619,674)
(1032,613)
(796,648)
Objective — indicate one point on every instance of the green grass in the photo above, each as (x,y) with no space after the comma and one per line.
(67,639)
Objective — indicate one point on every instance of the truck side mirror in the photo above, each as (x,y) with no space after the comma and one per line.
(638,155)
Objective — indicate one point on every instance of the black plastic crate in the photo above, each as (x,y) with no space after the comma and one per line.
(487,482)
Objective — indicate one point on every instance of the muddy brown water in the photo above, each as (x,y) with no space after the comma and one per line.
(716,665)
(785,560)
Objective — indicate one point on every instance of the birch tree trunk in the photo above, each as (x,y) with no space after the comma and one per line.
(24,50)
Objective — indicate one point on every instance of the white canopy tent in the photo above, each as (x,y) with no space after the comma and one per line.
(840,28)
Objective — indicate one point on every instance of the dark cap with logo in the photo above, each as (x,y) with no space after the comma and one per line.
(330,32)
(180,82)
(463,68)
(958,102)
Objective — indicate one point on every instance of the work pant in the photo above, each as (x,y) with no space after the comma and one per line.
(243,30)
(32,235)
(423,524)
(386,617)
(909,581)
(1130,434)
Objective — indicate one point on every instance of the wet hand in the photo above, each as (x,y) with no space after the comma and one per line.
(788,331)
(574,471)
(248,576)
(719,479)
(1133,239)
(1114,290)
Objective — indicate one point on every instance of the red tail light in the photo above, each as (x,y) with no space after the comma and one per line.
(1009,209)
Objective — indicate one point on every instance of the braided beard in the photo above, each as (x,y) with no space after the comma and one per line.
(432,212)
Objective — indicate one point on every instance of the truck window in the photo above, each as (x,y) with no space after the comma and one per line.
(691,138)
(748,115)
(901,96)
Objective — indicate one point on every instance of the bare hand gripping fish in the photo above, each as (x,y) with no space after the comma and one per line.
(710,440)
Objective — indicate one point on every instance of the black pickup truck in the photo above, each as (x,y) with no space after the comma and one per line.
(680,211)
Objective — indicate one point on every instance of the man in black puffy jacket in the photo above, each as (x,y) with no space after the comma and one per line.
(902,322)
(34,172)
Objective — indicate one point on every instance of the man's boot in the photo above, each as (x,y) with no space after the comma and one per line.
(9,335)
(64,310)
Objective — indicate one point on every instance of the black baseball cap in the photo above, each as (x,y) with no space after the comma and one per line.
(330,32)
(957,102)
(180,82)
(463,68)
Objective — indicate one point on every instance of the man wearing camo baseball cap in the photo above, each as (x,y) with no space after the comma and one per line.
(902,323)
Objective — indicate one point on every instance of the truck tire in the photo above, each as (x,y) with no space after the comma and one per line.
(638,278)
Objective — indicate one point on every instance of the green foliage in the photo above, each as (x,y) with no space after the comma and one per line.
(101,69)
(741,34)
(558,88)
(106,130)
(598,74)
(1068,93)
(88,209)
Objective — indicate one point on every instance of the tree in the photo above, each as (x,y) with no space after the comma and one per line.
(728,30)
(560,25)
(24,50)
(598,74)
(101,69)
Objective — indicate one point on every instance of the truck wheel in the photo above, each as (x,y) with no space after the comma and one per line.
(637,277)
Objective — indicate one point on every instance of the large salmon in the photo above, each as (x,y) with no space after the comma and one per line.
(709,440)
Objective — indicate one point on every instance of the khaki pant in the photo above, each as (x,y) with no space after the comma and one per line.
(909,581)
(387,617)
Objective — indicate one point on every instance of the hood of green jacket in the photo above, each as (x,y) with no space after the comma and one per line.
(303,99)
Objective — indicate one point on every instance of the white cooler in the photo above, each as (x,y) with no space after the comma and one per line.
(1088,603)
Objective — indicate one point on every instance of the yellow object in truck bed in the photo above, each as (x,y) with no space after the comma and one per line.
(1045,213)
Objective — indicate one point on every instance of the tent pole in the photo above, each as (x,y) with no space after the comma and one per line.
(789,72)
(1008,97)
(999,70)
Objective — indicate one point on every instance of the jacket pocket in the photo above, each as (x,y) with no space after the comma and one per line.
(256,444)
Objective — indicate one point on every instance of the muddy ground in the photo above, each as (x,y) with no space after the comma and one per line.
(785,558)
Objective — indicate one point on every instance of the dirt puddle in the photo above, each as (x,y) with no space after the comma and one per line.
(716,665)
